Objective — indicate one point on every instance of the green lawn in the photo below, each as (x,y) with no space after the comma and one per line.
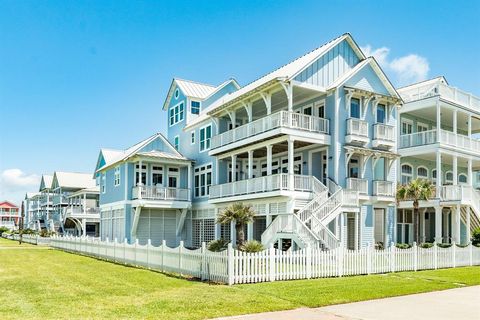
(54,284)
(10,243)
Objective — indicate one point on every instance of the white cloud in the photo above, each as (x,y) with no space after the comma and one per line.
(403,70)
(12,180)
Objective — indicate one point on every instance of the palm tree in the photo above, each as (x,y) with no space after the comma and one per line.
(416,190)
(242,214)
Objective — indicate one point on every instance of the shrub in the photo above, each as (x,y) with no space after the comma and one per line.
(379,246)
(217,245)
(476,237)
(403,245)
(45,233)
(252,246)
(28,231)
(444,245)
(426,245)
(3,229)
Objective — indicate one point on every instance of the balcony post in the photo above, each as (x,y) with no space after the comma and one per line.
(456,225)
(234,168)
(469,172)
(438,224)
(439,119)
(455,170)
(467,222)
(250,164)
(189,180)
(439,173)
(269,160)
(290,164)
(469,126)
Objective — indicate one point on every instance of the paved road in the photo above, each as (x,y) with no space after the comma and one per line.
(458,304)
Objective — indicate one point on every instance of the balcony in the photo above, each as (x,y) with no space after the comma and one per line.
(447,138)
(383,188)
(160,193)
(59,199)
(269,126)
(80,211)
(359,185)
(262,186)
(383,136)
(357,132)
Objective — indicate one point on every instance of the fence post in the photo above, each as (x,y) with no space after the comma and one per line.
(369,258)
(470,253)
(340,257)
(115,249)
(125,251)
(392,257)
(454,252)
(435,254)
(180,252)
(271,262)
(308,259)
(164,243)
(135,252)
(230,264)
(149,242)
(204,261)
(415,256)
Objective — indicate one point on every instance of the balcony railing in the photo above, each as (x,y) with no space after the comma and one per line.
(276,182)
(59,199)
(359,185)
(281,119)
(357,127)
(383,188)
(78,210)
(160,193)
(446,137)
(383,132)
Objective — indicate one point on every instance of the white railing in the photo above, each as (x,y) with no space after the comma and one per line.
(160,193)
(459,141)
(59,199)
(383,188)
(357,184)
(232,266)
(78,210)
(418,139)
(279,119)
(270,183)
(289,223)
(464,193)
(383,132)
(357,127)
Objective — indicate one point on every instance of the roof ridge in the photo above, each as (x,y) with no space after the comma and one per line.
(196,82)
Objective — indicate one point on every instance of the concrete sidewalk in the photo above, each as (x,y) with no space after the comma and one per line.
(458,304)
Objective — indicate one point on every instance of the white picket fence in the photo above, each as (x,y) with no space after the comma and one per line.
(232,266)
(29,238)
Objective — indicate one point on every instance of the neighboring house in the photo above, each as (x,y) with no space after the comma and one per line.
(81,216)
(31,204)
(9,215)
(46,208)
(64,185)
(436,142)
(311,146)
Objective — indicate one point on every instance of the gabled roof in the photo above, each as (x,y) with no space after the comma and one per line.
(7,204)
(162,155)
(45,182)
(30,195)
(286,72)
(425,82)
(134,150)
(193,89)
(74,180)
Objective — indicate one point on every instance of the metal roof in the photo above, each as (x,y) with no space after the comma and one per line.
(162,155)
(74,180)
(195,89)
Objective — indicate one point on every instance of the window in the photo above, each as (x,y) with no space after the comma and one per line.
(379,226)
(449,177)
(355,108)
(175,144)
(320,107)
(381,113)
(422,173)
(405,226)
(173,177)
(192,139)
(462,178)
(353,168)
(195,107)
(177,93)
(421,127)
(203,180)
(104,181)
(157,175)
(205,136)
(406,127)
(176,114)
(144,175)
(117,176)
(406,173)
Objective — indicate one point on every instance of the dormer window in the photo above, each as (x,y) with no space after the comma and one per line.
(177,93)
(176,114)
(195,107)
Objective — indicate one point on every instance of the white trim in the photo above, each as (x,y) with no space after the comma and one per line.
(170,124)
(200,137)
(422,167)
(446,180)
(192,137)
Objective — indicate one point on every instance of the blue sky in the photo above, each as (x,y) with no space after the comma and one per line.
(76,76)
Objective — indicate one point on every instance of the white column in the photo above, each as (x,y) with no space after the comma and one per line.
(290,97)
(267,98)
(356,233)
(422,226)
(469,125)
(268,217)
(139,182)
(84,227)
(455,121)
(250,231)
(250,164)
(467,222)
(84,203)
(269,160)
(439,118)
(438,224)
(456,224)
(439,173)
(189,181)
(234,168)
(233,234)
(217,171)
(290,163)
(455,170)
(469,172)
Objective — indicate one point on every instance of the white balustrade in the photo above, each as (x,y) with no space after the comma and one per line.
(383,188)
(383,132)
(357,127)
(160,193)
(357,184)
(276,120)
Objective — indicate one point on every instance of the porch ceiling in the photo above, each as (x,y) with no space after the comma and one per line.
(446,159)
(281,147)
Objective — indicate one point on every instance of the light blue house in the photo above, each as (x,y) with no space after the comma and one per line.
(311,146)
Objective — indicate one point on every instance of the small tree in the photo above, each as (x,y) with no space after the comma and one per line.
(416,190)
(476,237)
(242,214)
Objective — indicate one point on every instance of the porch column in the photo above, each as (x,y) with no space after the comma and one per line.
(438,224)
(217,170)
(234,168)
(84,227)
(439,119)
(469,126)
(422,226)
(439,173)
(456,225)
(268,216)
(356,233)
(455,121)
(233,233)
(267,98)
(250,231)
(289,89)
(469,172)
(139,182)
(189,181)
(84,203)
(290,164)
(269,160)
(467,222)
(250,164)
(455,170)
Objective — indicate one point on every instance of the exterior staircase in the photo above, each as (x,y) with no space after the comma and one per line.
(472,196)
(309,227)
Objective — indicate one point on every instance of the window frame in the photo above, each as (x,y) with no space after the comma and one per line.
(192,137)
(199,108)
(449,181)
(402,174)
(359,108)
(422,177)
(202,173)
(178,114)
(116,176)
(176,142)
(384,113)
(200,141)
